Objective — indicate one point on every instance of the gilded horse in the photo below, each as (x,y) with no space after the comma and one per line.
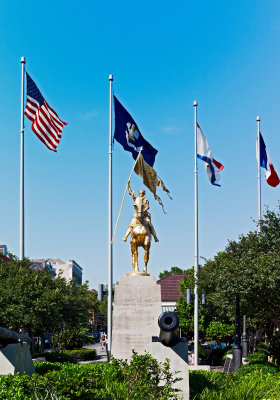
(141,228)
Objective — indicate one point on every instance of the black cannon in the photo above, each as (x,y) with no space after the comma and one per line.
(7,337)
(168,322)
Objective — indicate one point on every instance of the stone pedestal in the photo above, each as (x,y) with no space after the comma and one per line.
(16,358)
(177,363)
(137,306)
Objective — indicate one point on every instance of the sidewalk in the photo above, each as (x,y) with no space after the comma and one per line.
(101,355)
(219,368)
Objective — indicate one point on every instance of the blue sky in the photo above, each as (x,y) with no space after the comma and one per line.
(224,54)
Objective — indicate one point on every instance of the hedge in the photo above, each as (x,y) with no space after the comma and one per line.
(141,379)
(254,384)
(70,355)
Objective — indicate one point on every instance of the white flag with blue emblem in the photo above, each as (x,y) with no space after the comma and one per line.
(212,166)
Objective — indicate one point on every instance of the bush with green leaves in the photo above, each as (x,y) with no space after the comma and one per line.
(76,337)
(70,355)
(257,358)
(255,385)
(271,348)
(82,354)
(143,378)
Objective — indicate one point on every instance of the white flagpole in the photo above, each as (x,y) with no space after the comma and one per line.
(21,195)
(259,177)
(195,240)
(110,245)
(125,194)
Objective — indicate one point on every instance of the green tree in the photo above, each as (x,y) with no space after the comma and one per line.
(186,311)
(219,330)
(249,267)
(103,308)
(32,300)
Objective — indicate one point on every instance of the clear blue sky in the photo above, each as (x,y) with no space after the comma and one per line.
(224,54)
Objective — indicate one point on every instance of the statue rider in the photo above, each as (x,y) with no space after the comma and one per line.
(147,215)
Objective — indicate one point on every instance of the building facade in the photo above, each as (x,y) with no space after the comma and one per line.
(170,291)
(41,263)
(68,270)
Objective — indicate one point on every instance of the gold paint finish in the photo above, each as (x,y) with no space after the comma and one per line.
(141,230)
(138,273)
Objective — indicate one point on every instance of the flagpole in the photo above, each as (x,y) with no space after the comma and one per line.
(195,240)
(21,195)
(259,177)
(110,245)
(125,194)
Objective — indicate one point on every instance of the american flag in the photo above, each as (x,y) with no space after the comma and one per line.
(45,121)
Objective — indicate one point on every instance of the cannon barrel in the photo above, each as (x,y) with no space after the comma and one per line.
(7,336)
(168,323)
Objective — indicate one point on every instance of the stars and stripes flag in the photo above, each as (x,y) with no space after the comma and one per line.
(45,122)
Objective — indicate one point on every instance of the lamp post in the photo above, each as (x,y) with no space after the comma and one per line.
(244,340)
(236,348)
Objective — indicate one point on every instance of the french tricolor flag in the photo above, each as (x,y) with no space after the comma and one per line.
(212,166)
(265,162)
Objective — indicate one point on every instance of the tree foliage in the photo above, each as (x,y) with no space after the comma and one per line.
(249,267)
(32,300)
(186,311)
(219,330)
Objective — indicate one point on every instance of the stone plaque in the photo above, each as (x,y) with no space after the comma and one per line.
(137,306)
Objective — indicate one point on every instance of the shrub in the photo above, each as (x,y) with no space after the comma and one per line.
(76,337)
(257,358)
(201,380)
(57,356)
(70,355)
(258,384)
(41,367)
(82,354)
(271,348)
(143,378)
(264,368)
(258,362)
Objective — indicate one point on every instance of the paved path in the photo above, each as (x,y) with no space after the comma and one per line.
(219,368)
(101,354)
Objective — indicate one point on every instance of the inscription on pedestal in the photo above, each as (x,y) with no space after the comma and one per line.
(137,306)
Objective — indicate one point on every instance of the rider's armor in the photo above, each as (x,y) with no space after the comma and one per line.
(147,215)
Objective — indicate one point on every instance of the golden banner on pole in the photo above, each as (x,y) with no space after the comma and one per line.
(150,178)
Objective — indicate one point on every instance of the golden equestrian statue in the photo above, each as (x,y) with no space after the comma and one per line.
(141,229)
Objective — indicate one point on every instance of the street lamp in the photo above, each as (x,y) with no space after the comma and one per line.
(236,348)
(190,297)
(244,340)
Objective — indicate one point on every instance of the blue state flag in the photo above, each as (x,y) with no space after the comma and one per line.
(129,136)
